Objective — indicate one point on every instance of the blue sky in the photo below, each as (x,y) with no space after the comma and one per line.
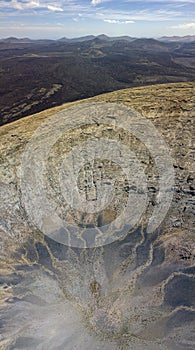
(71,18)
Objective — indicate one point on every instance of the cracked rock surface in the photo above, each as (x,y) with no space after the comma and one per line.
(134,293)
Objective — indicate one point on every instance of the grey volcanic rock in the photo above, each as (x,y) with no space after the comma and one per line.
(135,293)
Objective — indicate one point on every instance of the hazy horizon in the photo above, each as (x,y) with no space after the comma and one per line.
(88,35)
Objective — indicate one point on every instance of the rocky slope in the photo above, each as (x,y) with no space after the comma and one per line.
(133,293)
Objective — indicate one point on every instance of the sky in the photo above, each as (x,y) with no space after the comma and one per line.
(54,19)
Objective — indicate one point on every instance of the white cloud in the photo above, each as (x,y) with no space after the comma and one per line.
(115,21)
(185,26)
(96,2)
(32,4)
(24,5)
(54,8)
(145,14)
